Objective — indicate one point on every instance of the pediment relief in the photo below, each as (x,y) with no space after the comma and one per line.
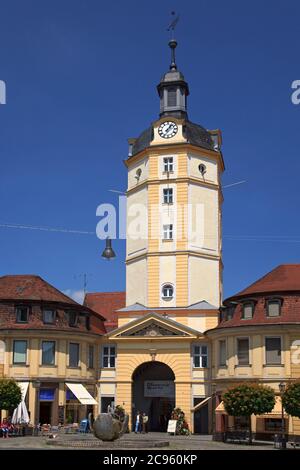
(153,329)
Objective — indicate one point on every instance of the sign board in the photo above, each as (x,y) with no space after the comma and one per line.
(172,426)
(159,388)
(47,394)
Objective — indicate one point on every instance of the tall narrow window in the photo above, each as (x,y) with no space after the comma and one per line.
(91,357)
(273,350)
(168,195)
(109,356)
(168,164)
(168,232)
(199,356)
(20,352)
(22,314)
(222,353)
(172,97)
(48,353)
(73,354)
(243,351)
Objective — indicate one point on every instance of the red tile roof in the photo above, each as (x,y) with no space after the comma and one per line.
(31,287)
(106,304)
(282,282)
(284,278)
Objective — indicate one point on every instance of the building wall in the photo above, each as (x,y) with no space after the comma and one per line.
(194,214)
(136,281)
(257,370)
(176,356)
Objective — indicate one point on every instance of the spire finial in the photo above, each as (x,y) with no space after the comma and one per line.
(173,42)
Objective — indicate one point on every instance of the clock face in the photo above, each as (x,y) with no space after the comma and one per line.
(167,129)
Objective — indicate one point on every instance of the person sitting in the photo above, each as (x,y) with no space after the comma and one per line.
(6,427)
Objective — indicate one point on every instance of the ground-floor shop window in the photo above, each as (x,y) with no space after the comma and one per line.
(273,424)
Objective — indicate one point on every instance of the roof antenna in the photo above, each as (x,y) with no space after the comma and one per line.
(173,42)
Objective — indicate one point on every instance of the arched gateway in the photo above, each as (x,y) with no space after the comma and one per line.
(153,393)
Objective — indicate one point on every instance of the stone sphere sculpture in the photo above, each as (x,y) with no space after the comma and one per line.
(108,427)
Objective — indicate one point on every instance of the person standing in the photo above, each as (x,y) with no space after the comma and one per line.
(145,423)
(138,423)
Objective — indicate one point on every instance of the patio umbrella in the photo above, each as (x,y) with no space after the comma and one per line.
(20,414)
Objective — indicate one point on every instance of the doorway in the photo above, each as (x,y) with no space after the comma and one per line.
(45,412)
(201,417)
(153,393)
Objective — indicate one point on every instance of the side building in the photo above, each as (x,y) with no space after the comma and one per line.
(50,345)
(258,340)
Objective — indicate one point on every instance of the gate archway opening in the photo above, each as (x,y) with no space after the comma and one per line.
(153,393)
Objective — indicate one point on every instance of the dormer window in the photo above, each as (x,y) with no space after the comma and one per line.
(22,314)
(49,316)
(230,312)
(248,310)
(73,318)
(273,307)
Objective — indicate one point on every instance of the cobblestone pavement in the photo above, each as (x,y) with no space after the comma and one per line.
(127,442)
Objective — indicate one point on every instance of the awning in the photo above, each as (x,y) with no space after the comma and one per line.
(221,409)
(276,412)
(199,405)
(81,394)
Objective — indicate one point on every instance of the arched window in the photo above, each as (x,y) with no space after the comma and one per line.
(167,291)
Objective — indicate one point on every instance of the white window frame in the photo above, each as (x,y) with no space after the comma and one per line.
(168,232)
(168,164)
(164,297)
(200,355)
(109,356)
(168,196)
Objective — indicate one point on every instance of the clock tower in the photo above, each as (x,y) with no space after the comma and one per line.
(174,198)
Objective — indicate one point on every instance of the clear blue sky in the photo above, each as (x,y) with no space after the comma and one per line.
(81,78)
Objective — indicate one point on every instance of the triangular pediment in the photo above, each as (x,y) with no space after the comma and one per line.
(153,326)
